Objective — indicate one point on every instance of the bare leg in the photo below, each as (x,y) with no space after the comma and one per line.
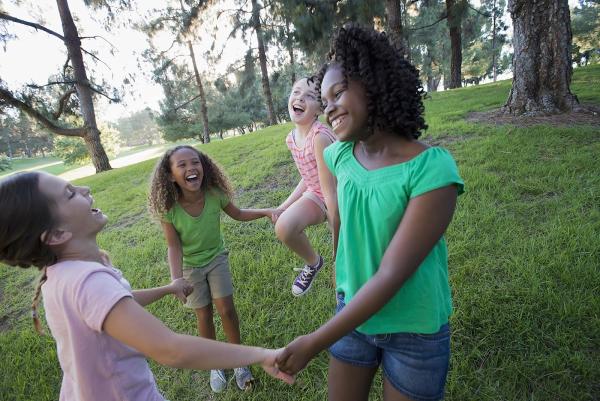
(291,224)
(347,382)
(229,317)
(391,394)
(206,326)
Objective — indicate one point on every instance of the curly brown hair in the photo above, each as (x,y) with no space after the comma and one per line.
(393,90)
(164,193)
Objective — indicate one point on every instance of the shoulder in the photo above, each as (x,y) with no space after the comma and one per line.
(323,130)
(74,273)
(336,153)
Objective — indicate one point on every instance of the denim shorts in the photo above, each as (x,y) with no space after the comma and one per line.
(415,364)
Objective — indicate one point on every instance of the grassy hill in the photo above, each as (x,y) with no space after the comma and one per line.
(524,262)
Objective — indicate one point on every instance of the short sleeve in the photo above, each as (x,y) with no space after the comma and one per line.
(97,295)
(433,170)
(223,199)
(168,216)
(332,153)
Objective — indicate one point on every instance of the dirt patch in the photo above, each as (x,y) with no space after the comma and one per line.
(127,221)
(587,115)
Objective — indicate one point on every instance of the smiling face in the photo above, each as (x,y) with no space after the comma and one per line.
(72,206)
(186,169)
(303,104)
(345,105)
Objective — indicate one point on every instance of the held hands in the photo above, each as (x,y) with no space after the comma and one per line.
(297,354)
(181,289)
(275,213)
(269,364)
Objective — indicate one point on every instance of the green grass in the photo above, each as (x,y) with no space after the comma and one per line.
(524,262)
(50,165)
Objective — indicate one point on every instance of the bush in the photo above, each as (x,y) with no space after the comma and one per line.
(5,163)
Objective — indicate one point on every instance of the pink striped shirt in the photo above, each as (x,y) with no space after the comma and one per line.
(305,156)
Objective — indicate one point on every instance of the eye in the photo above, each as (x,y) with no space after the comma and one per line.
(72,193)
(339,93)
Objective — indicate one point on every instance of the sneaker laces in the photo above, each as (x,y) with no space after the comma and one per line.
(306,274)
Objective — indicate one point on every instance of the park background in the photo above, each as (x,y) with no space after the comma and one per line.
(524,249)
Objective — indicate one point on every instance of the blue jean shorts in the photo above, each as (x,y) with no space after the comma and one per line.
(415,364)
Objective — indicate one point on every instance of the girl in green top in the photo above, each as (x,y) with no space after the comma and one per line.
(393,199)
(188,192)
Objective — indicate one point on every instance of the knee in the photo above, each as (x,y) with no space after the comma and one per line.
(283,230)
(205,315)
(228,313)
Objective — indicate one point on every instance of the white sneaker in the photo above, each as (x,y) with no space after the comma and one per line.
(243,378)
(218,381)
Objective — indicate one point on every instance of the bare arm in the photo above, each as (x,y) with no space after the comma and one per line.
(179,287)
(174,251)
(329,187)
(246,214)
(132,325)
(294,196)
(175,257)
(424,222)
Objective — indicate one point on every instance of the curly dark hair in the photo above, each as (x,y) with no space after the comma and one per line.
(393,89)
(164,193)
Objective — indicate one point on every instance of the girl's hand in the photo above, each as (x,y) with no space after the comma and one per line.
(269,365)
(181,289)
(275,213)
(296,355)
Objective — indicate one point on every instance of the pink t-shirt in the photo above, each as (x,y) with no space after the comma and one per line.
(305,156)
(78,296)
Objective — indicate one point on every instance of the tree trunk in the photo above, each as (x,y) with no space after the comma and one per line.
(263,62)
(203,111)
(542,58)
(494,68)
(394,26)
(82,84)
(290,48)
(454,22)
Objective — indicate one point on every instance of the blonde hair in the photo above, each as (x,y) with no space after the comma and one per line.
(164,193)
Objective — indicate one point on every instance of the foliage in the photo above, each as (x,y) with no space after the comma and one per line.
(72,150)
(585,20)
(523,254)
(5,163)
(139,128)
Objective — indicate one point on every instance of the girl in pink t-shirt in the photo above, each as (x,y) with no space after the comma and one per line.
(102,331)
(306,204)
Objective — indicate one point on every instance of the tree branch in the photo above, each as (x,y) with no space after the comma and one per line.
(486,15)
(62,102)
(186,103)
(51,83)
(7,17)
(98,91)
(443,16)
(39,117)
(96,37)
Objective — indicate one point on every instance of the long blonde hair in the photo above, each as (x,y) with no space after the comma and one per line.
(164,192)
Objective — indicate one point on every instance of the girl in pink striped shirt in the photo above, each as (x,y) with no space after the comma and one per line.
(306,204)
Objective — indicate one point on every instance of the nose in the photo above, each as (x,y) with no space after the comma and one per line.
(328,109)
(85,191)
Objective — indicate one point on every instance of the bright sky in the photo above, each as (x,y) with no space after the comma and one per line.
(35,55)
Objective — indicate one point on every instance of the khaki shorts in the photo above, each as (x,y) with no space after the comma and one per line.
(211,281)
(315,198)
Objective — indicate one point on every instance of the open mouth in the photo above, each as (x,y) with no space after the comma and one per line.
(192,178)
(96,210)
(336,122)
(297,109)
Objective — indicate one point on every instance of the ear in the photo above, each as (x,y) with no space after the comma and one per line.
(55,237)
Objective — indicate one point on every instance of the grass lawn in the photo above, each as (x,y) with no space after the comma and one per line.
(524,262)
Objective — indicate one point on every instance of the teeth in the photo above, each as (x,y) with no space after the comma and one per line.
(336,122)
(191,177)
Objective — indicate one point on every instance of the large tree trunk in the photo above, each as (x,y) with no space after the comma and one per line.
(82,84)
(290,48)
(454,22)
(394,26)
(263,62)
(203,111)
(542,58)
